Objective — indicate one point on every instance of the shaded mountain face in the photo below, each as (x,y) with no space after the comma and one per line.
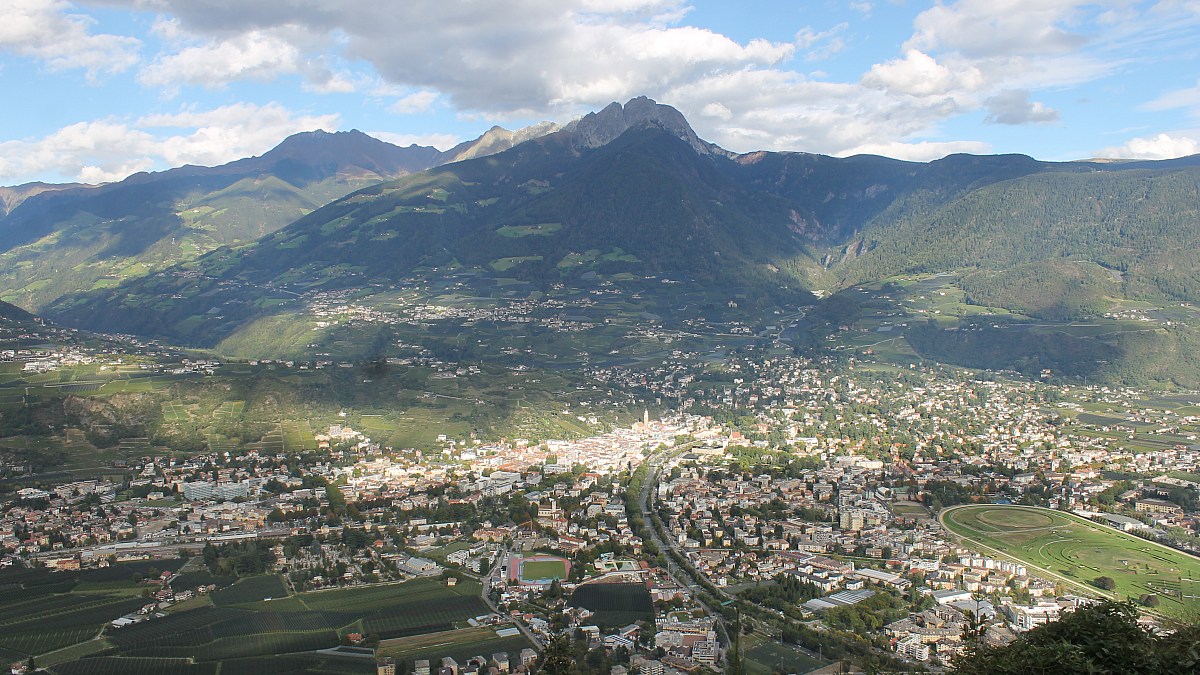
(630,195)
(72,239)
(13,313)
(11,197)
(549,211)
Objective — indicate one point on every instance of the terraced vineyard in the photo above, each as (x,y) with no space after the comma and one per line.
(1068,548)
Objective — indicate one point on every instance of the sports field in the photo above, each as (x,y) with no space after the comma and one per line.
(538,569)
(772,657)
(1066,547)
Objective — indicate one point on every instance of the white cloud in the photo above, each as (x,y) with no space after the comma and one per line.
(230,132)
(1188,97)
(107,150)
(419,101)
(862,7)
(999,28)
(716,110)
(47,31)
(821,45)
(773,110)
(255,54)
(101,146)
(114,172)
(1160,146)
(559,58)
(323,81)
(439,141)
(923,151)
(541,56)
(919,74)
(1014,107)
(975,49)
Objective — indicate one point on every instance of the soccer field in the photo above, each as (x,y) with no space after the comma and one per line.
(1078,551)
(534,570)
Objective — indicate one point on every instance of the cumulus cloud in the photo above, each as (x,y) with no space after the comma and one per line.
(114,171)
(976,48)
(108,150)
(100,147)
(1160,146)
(230,132)
(557,59)
(716,110)
(1014,107)
(46,30)
(545,56)
(322,80)
(255,54)
(560,58)
(774,110)
(919,74)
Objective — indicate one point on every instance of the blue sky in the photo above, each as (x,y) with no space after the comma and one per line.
(97,89)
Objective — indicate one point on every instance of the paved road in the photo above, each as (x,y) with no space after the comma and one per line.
(486,594)
(656,462)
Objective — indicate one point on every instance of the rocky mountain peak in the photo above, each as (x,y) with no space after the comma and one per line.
(599,128)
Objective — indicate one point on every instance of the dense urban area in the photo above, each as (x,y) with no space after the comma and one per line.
(767,512)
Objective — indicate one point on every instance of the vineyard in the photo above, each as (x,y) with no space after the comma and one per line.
(615,605)
(251,625)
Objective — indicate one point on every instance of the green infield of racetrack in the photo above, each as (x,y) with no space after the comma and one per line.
(1077,551)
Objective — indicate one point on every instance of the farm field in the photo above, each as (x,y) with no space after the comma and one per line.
(250,589)
(43,612)
(614,605)
(459,644)
(1078,551)
(231,630)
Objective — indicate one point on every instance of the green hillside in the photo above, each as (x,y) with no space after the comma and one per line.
(78,239)
(1140,223)
(642,206)
(682,232)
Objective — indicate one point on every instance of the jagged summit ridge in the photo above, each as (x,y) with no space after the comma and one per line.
(600,128)
(494,140)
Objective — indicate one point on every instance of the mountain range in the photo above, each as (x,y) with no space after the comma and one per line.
(58,240)
(627,195)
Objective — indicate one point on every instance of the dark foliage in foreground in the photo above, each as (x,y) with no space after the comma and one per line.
(1101,638)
